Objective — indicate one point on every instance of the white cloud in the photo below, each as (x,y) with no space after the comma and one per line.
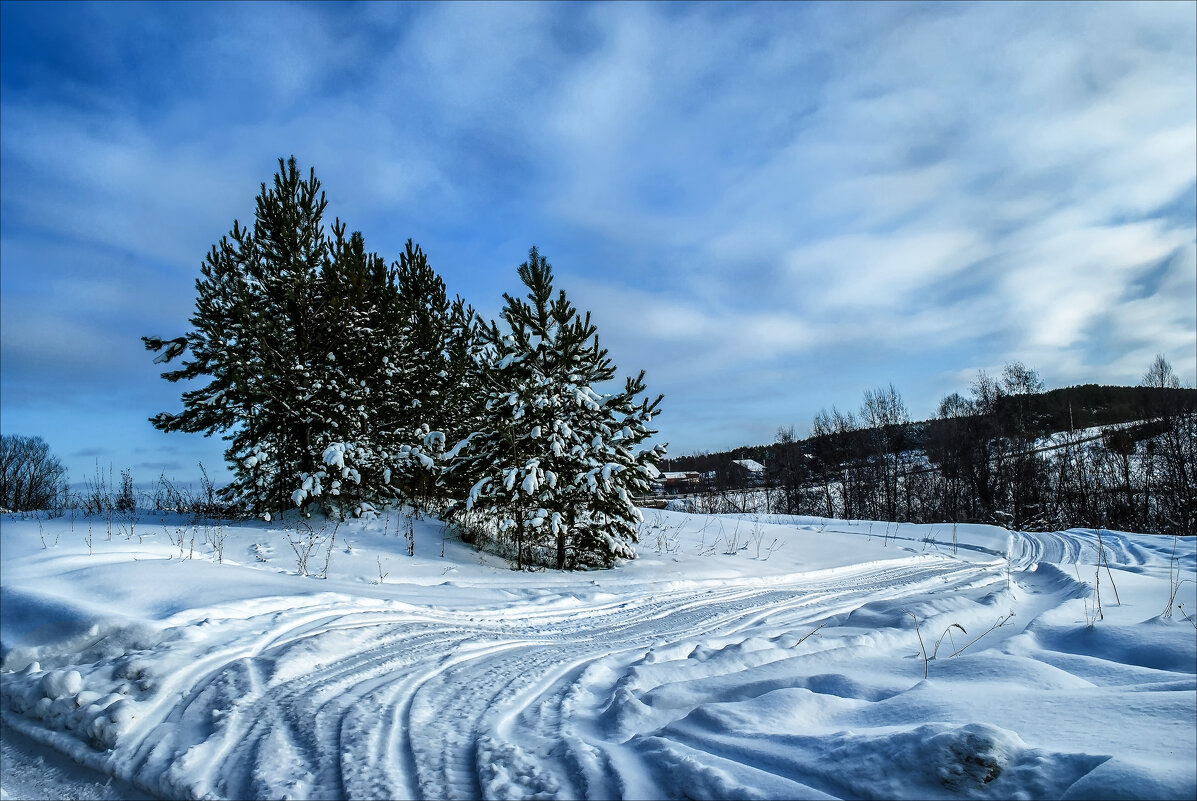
(1066,274)
(871,271)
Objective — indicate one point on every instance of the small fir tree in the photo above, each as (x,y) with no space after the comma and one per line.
(555,466)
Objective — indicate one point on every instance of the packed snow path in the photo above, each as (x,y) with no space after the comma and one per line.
(758,683)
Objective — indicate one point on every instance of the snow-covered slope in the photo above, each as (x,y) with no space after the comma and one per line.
(738,657)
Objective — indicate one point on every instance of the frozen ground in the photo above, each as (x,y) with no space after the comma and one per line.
(739,657)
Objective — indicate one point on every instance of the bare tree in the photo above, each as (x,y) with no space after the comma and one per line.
(30,476)
(1171,458)
(884,414)
(835,441)
(1160,375)
(789,471)
(1023,468)
(948,445)
(1078,493)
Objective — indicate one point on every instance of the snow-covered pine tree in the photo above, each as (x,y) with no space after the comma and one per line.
(602,514)
(360,327)
(399,352)
(413,410)
(231,400)
(554,467)
(292,249)
(464,401)
(257,337)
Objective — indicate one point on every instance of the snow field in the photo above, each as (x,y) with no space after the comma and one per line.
(707,668)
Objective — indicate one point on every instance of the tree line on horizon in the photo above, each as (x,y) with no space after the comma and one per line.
(345,384)
(1007,453)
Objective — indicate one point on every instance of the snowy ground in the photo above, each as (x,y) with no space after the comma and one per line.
(739,657)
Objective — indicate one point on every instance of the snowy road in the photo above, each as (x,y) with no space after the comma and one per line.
(733,685)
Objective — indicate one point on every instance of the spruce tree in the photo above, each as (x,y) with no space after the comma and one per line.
(554,467)
(601,513)
(351,473)
(415,406)
(258,339)
(464,388)
(398,347)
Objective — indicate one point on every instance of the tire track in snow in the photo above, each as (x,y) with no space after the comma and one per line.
(495,716)
(1081,545)
(333,700)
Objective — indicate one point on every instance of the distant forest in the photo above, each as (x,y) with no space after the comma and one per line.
(1010,453)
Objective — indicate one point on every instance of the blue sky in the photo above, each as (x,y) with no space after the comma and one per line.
(770,208)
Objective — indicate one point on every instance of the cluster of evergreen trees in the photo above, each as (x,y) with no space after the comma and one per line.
(343,382)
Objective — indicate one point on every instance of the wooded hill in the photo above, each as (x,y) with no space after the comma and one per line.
(1012,454)
(1058,410)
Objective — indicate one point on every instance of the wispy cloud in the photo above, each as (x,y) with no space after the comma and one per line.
(770,207)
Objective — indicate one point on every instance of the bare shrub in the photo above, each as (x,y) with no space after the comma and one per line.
(216,536)
(381,575)
(308,542)
(409,532)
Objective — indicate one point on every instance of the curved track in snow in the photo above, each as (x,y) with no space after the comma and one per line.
(335,700)
(334,696)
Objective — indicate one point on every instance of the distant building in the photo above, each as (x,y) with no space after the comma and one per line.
(750,470)
(682,482)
